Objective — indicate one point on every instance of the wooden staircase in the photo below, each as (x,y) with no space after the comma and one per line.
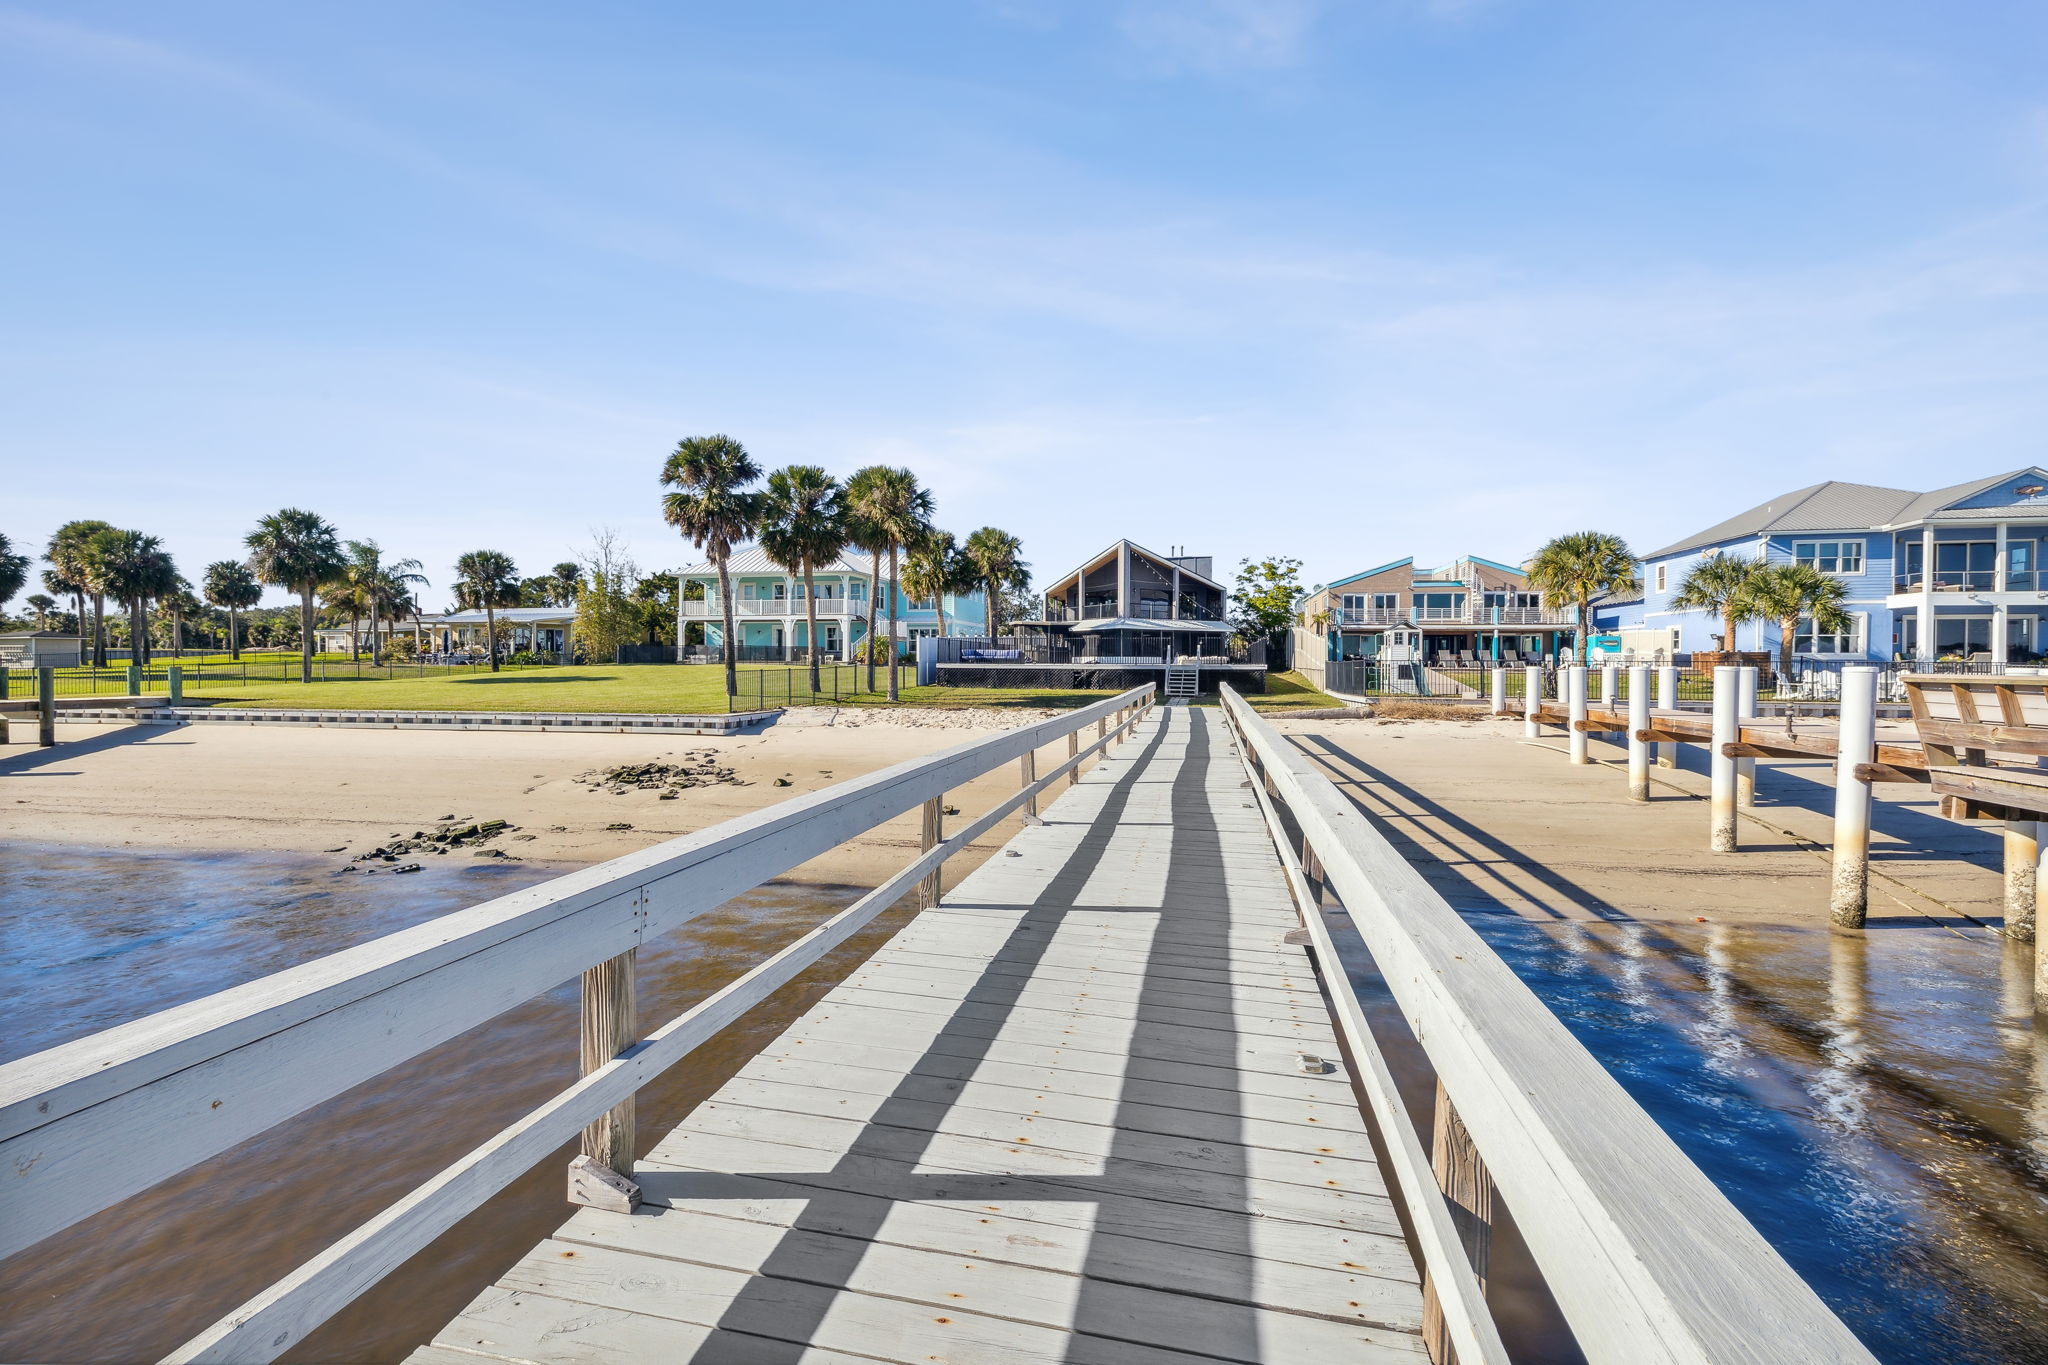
(1183,680)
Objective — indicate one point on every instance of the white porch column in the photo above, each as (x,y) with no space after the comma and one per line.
(1998,609)
(1925,627)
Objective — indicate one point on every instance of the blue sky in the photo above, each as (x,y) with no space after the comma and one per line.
(1343,281)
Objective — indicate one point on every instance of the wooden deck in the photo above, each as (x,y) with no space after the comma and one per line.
(1063,1117)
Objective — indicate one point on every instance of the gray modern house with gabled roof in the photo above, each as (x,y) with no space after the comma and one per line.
(1952,573)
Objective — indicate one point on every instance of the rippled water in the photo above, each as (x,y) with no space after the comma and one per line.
(91,938)
(1876,1104)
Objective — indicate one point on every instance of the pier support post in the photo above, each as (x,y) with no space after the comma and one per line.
(1610,684)
(1638,732)
(1532,700)
(46,706)
(2022,871)
(1745,711)
(928,838)
(1462,1176)
(608,1026)
(1497,691)
(175,683)
(1855,745)
(1721,768)
(1575,711)
(134,683)
(1667,700)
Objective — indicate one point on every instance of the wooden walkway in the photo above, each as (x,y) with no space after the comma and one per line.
(1063,1117)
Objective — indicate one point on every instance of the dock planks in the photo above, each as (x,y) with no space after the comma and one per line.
(1059,1118)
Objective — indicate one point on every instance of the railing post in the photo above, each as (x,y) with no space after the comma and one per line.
(1667,700)
(1462,1176)
(1074,751)
(1639,732)
(1532,701)
(1721,764)
(1575,713)
(928,839)
(1027,771)
(1745,768)
(1855,745)
(608,1027)
(46,706)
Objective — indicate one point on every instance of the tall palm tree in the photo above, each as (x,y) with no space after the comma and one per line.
(229,584)
(1579,567)
(485,581)
(298,550)
(803,525)
(175,606)
(935,568)
(67,577)
(1719,584)
(42,604)
(13,570)
(372,584)
(564,578)
(392,599)
(993,555)
(897,514)
(132,568)
(1787,592)
(714,508)
(863,534)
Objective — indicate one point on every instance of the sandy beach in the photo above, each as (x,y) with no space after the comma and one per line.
(341,791)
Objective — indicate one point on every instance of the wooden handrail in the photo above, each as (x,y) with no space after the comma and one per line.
(1646,1257)
(92,1122)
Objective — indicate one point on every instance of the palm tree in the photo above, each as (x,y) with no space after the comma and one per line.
(67,577)
(392,599)
(935,568)
(296,549)
(42,604)
(1580,566)
(485,581)
(13,571)
(564,578)
(864,534)
(803,525)
(371,586)
(897,514)
(993,556)
(712,506)
(175,606)
(1719,584)
(228,583)
(1785,593)
(132,568)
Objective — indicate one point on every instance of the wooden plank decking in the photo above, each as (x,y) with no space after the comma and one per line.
(1060,1118)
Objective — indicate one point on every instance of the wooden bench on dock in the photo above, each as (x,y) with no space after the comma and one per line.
(1112,1099)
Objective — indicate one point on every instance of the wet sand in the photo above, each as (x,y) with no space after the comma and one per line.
(313,790)
(1497,823)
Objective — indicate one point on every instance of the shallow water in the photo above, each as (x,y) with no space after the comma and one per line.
(1876,1104)
(91,938)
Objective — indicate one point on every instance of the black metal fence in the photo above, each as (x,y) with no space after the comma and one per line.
(204,675)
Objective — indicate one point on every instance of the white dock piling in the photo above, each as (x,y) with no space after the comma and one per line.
(1721,766)
(1745,768)
(1638,730)
(1610,684)
(1532,697)
(2022,871)
(1498,692)
(1667,700)
(1849,894)
(1575,703)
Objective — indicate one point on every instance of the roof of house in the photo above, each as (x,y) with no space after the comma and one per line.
(1429,576)
(506,616)
(1838,506)
(1179,562)
(754,559)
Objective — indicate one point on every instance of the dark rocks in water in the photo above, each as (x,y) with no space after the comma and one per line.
(409,867)
(437,840)
(342,849)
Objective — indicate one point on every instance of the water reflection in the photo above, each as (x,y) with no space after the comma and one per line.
(92,938)
(1873,1102)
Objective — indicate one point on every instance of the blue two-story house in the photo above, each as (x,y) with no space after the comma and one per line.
(1954,573)
(770,616)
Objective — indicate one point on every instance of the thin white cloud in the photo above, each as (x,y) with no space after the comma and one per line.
(1220,35)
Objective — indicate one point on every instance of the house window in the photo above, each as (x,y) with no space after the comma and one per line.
(922,604)
(1828,556)
(1353,601)
(857,591)
(2019,566)
(1806,642)
(1663,577)
(1386,601)
(1965,564)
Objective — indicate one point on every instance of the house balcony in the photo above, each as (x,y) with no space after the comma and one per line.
(753,609)
(1140,611)
(1456,616)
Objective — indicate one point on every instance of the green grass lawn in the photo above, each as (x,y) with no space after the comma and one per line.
(640,688)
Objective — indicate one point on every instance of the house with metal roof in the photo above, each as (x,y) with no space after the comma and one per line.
(1952,573)
(770,617)
(1469,611)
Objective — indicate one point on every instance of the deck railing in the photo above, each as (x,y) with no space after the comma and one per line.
(1643,1253)
(93,1122)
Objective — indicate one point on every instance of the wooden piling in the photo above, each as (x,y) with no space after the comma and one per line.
(1638,727)
(1855,748)
(1497,692)
(1532,701)
(1610,684)
(608,1025)
(175,683)
(1462,1176)
(1575,702)
(928,838)
(2022,868)
(1721,768)
(1667,700)
(46,706)
(1745,711)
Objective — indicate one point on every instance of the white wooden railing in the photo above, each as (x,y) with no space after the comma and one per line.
(1648,1260)
(90,1123)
